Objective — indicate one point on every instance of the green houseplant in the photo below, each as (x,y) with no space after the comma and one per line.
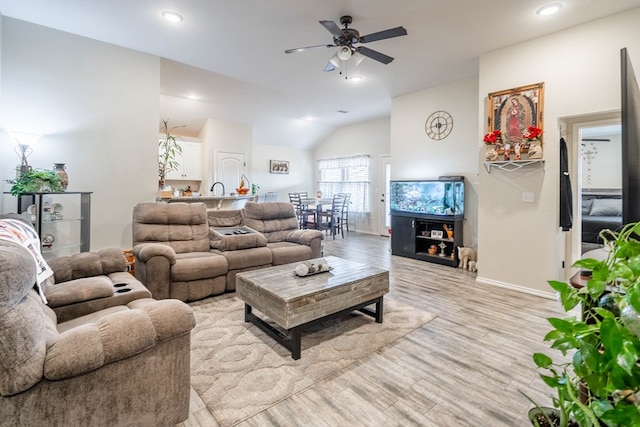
(36,181)
(600,385)
(169,150)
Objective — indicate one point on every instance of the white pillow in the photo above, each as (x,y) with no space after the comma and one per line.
(606,207)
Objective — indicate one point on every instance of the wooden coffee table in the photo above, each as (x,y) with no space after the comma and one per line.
(293,302)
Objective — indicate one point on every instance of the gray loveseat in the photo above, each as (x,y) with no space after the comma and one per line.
(272,237)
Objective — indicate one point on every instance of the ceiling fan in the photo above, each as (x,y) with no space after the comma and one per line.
(346,39)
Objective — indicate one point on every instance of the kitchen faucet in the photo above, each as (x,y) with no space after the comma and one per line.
(214,185)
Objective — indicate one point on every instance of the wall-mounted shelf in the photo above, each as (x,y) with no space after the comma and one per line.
(512,165)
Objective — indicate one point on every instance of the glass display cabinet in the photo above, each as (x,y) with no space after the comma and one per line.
(62,220)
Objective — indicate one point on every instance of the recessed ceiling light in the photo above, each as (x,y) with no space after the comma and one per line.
(193,96)
(171,16)
(549,9)
(355,78)
(309,118)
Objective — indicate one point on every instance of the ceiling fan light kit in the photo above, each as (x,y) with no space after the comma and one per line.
(344,53)
(347,41)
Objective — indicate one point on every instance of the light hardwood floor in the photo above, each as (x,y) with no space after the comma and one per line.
(464,368)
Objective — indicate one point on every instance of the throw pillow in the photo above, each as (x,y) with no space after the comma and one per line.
(606,207)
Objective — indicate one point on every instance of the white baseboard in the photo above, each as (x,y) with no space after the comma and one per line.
(484,281)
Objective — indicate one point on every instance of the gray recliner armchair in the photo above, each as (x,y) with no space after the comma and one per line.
(122,365)
(171,248)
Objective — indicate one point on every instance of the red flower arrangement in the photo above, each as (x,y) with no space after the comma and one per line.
(492,137)
(533,134)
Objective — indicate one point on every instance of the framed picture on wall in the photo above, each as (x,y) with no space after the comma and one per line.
(278,166)
(513,111)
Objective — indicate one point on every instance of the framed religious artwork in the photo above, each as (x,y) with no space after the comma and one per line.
(514,111)
(278,166)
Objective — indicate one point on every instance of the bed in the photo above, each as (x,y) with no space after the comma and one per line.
(600,211)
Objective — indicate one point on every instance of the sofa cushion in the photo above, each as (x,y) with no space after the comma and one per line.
(183,226)
(287,252)
(225,217)
(236,241)
(88,264)
(250,257)
(273,219)
(198,265)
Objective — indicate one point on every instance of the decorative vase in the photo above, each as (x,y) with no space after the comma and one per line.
(61,170)
(535,150)
(492,154)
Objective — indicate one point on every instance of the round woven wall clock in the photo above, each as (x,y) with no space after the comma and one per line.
(438,125)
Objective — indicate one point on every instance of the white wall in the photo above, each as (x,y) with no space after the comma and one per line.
(415,156)
(96,106)
(299,178)
(218,135)
(602,170)
(370,137)
(521,244)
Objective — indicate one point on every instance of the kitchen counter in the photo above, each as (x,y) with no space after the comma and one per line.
(215,202)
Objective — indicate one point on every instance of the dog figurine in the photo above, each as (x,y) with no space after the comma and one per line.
(465,255)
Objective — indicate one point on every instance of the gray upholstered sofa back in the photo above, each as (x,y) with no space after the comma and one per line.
(275,220)
(183,226)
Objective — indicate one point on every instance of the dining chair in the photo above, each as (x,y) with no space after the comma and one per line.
(302,211)
(271,196)
(329,220)
(345,213)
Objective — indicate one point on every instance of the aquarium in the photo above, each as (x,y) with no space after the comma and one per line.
(432,197)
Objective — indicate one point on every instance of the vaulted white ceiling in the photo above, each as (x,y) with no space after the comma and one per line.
(231,53)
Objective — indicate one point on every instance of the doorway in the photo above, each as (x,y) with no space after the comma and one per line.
(384,178)
(594,150)
(229,169)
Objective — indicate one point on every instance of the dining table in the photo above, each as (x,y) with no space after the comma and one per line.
(313,203)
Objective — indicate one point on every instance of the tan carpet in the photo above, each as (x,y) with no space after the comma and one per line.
(239,371)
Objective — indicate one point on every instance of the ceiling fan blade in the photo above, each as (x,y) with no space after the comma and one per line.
(333,28)
(381,35)
(302,49)
(329,67)
(374,54)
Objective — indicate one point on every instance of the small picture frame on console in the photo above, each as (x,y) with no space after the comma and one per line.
(436,234)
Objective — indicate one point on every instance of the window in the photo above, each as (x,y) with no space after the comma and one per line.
(346,175)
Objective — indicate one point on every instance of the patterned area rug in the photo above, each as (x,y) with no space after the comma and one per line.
(239,371)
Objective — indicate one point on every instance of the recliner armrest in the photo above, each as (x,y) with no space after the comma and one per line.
(145,251)
(304,237)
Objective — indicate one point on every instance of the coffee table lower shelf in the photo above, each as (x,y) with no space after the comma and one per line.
(291,338)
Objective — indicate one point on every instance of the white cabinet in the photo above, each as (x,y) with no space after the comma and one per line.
(190,162)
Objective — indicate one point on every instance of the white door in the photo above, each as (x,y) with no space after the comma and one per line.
(230,167)
(384,177)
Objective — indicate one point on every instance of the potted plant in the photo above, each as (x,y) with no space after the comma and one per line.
(169,149)
(36,181)
(600,384)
